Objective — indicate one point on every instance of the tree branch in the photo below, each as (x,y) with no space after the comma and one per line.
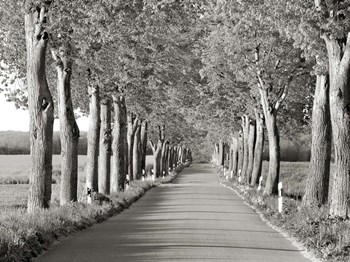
(284,94)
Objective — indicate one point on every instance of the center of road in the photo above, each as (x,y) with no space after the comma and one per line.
(193,219)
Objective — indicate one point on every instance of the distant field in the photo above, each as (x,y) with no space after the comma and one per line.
(16,168)
(293,175)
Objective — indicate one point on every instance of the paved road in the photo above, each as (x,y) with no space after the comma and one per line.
(193,219)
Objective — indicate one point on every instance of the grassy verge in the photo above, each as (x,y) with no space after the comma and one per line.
(327,238)
(24,236)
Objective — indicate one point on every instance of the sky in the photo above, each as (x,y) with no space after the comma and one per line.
(18,119)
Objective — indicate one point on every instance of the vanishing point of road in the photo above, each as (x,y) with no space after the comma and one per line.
(193,219)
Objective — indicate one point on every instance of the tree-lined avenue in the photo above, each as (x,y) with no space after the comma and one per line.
(193,219)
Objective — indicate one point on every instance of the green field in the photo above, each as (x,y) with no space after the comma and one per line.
(14,175)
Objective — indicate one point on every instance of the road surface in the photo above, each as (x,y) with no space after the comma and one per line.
(193,219)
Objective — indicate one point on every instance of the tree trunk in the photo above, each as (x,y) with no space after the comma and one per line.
(132,125)
(259,147)
(317,185)
(245,126)
(240,154)
(157,159)
(104,174)
(137,154)
(339,99)
(270,113)
(69,131)
(174,158)
(93,139)
(119,145)
(251,142)
(234,156)
(168,161)
(221,153)
(143,145)
(41,111)
(157,151)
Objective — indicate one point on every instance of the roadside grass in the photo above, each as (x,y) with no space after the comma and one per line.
(328,238)
(293,175)
(24,236)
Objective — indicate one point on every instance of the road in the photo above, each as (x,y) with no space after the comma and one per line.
(193,219)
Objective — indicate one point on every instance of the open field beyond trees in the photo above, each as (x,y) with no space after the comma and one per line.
(14,173)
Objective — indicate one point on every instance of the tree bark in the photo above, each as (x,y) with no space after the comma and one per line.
(132,126)
(251,142)
(157,151)
(259,146)
(69,131)
(41,110)
(119,144)
(104,174)
(339,98)
(234,156)
(245,127)
(317,184)
(240,154)
(137,154)
(221,153)
(93,139)
(270,113)
(143,144)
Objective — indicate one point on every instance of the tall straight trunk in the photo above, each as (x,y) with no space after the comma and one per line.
(221,153)
(270,113)
(259,146)
(245,127)
(157,159)
(132,125)
(168,161)
(157,151)
(174,157)
(69,131)
(339,99)
(93,139)
(234,156)
(240,154)
(104,174)
(215,156)
(230,159)
(41,110)
(180,155)
(251,143)
(137,154)
(143,144)
(119,145)
(170,157)
(317,184)
(162,159)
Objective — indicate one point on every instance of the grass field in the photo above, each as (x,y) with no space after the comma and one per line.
(14,175)
(293,175)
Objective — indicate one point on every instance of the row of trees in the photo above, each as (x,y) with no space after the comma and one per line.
(209,70)
(264,52)
(126,54)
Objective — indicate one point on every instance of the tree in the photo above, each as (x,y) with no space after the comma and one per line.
(69,131)
(40,105)
(119,144)
(104,172)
